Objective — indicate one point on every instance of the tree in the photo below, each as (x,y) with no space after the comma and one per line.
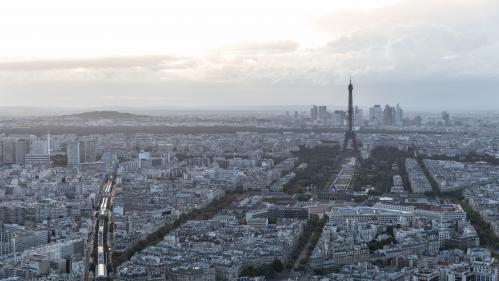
(277,265)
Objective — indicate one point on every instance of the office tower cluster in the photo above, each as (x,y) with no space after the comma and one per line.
(387,116)
(39,152)
(319,113)
(82,151)
(23,151)
(336,117)
(31,150)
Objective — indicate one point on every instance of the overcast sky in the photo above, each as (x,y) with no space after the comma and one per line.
(424,54)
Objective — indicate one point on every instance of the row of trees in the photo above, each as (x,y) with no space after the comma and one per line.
(485,232)
(455,195)
(312,231)
(83,131)
(317,228)
(433,183)
(80,130)
(154,238)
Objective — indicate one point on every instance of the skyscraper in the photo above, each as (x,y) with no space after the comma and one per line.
(73,152)
(49,144)
(39,147)
(22,148)
(446,117)
(87,151)
(375,115)
(339,117)
(39,152)
(8,152)
(314,112)
(399,116)
(388,115)
(323,114)
(359,116)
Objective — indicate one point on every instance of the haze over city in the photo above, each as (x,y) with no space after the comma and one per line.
(232,53)
(259,140)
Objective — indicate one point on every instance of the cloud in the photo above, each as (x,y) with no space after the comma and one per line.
(419,43)
(416,39)
(408,40)
(265,47)
(95,63)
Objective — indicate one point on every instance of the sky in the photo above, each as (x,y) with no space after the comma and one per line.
(423,54)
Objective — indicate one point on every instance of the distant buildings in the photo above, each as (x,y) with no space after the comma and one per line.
(336,118)
(339,118)
(375,115)
(82,151)
(323,114)
(73,152)
(22,148)
(446,117)
(314,112)
(39,147)
(320,113)
(39,152)
(399,116)
(87,151)
(389,116)
(8,152)
(358,116)
(418,180)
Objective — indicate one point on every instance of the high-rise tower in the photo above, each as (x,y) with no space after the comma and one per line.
(73,153)
(350,141)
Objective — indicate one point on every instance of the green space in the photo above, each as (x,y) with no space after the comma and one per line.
(377,171)
(322,166)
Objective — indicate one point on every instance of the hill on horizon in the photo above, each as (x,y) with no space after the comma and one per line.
(106,114)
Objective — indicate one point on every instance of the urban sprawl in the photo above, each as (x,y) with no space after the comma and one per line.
(251,196)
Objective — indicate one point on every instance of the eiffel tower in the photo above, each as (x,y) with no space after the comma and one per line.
(350,142)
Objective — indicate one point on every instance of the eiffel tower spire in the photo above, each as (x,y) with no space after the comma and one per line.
(350,141)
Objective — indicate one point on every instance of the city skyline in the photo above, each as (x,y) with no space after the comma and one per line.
(223,140)
(229,54)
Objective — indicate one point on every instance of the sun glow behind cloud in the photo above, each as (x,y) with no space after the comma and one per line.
(93,28)
(239,47)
